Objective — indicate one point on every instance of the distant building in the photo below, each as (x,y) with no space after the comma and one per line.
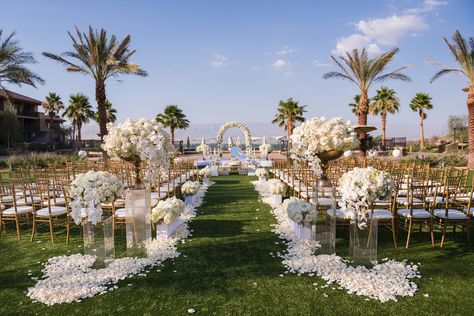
(35,124)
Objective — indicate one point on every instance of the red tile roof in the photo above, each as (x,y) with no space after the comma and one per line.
(18,97)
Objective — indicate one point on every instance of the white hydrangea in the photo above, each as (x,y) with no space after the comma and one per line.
(359,188)
(167,211)
(143,139)
(190,187)
(300,211)
(261,172)
(319,135)
(89,190)
(203,148)
(276,187)
(205,172)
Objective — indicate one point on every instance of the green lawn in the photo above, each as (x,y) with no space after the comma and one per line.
(225,269)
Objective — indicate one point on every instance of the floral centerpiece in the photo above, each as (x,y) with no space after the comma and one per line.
(299,211)
(190,188)
(91,189)
(233,162)
(205,172)
(167,211)
(139,140)
(204,149)
(319,140)
(261,173)
(276,187)
(360,188)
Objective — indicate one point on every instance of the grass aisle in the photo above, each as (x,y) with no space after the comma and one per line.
(225,268)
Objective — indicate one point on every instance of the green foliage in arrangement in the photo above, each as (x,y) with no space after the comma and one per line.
(40,160)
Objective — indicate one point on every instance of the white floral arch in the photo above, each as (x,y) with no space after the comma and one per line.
(243,128)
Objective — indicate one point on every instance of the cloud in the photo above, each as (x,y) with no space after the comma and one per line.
(428,6)
(375,33)
(286,51)
(318,63)
(280,64)
(219,61)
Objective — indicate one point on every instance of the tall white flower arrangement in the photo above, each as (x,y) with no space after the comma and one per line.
(319,135)
(143,139)
(360,188)
(89,190)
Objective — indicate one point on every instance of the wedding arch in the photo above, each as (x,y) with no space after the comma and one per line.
(243,128)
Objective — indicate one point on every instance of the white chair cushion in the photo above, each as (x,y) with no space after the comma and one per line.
(417,213)
(325,201)
(404,200)
(19,210)
(28,200)
(339,214)
(452,214)
(7,198)
(55,211)
(381,214)
(439,199)
(118,203)
(121,213)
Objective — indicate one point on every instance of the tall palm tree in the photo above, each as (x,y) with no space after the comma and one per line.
(14,64)
(463,52)
(102,58)
(52,105)
(384,102)
(79,112)
(364,72)
(420,103)
(355,105)
(173,117)
(289,112)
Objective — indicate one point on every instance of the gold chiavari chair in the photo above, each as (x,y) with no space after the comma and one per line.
(50,214)
(15,213)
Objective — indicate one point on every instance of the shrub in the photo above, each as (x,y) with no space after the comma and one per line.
(43,160)
(456,159)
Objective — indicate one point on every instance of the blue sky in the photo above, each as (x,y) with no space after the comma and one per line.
(234,60)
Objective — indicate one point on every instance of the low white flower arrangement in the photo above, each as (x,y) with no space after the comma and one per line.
(233,162)
(140,139)
(167,211)
(203,148)
(299,211)
(261,172)
(267,148)
(276,187)
(360,188)
(190,188)
(82,154)
(205,172)
(90,190)
(319,135)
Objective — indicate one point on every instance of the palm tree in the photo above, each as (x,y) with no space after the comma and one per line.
(101,58)
(355,105)
(420,103)
(173,117)
(79,112)
(289,112)
(385,101)
(13,65)
(364,72)
(111,113)
(52,105)
(464,55)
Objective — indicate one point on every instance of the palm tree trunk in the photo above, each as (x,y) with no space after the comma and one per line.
(470,109)
(172,135)
(51,131)
(289,130)
(79,136)
(384,125)
(101,98)
(422,131)
(362,119)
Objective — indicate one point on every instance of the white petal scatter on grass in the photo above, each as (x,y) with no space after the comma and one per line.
(386,281)
(71,278)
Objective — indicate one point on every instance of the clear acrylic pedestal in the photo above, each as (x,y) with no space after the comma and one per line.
(99,241)
(363,243)
(138,223)
(324,200)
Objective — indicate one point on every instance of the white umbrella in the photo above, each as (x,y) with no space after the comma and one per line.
(229,142)
(237,142)
(203,140)
(264,140)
